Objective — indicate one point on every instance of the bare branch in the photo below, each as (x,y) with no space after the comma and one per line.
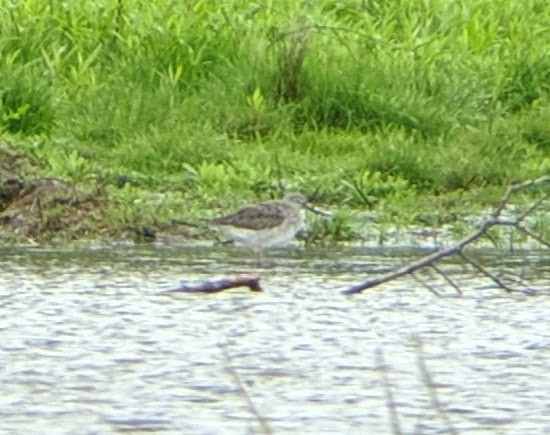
(494,219)
(416,265)
(213,286)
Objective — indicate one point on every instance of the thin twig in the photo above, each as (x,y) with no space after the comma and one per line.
(251,407)
(430,387)
(426,285)
(446,278)
(485,272)
(531,209)
(533,235)
(390,400)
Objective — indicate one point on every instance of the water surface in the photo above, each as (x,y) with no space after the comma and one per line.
(92,344)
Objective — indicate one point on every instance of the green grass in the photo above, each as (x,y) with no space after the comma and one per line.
(170,105)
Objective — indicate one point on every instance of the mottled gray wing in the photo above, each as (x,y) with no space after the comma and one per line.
(257,217)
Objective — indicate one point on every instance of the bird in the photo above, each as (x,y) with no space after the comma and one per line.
(264,224)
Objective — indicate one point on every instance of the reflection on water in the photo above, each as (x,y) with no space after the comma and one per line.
(90,344)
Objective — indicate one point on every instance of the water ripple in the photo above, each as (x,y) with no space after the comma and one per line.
(91,345)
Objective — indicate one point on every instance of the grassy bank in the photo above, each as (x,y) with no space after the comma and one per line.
(418,110)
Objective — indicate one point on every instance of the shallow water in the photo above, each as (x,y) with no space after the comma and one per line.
(91,344)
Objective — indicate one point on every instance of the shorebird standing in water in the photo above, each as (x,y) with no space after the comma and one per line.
(266,224)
